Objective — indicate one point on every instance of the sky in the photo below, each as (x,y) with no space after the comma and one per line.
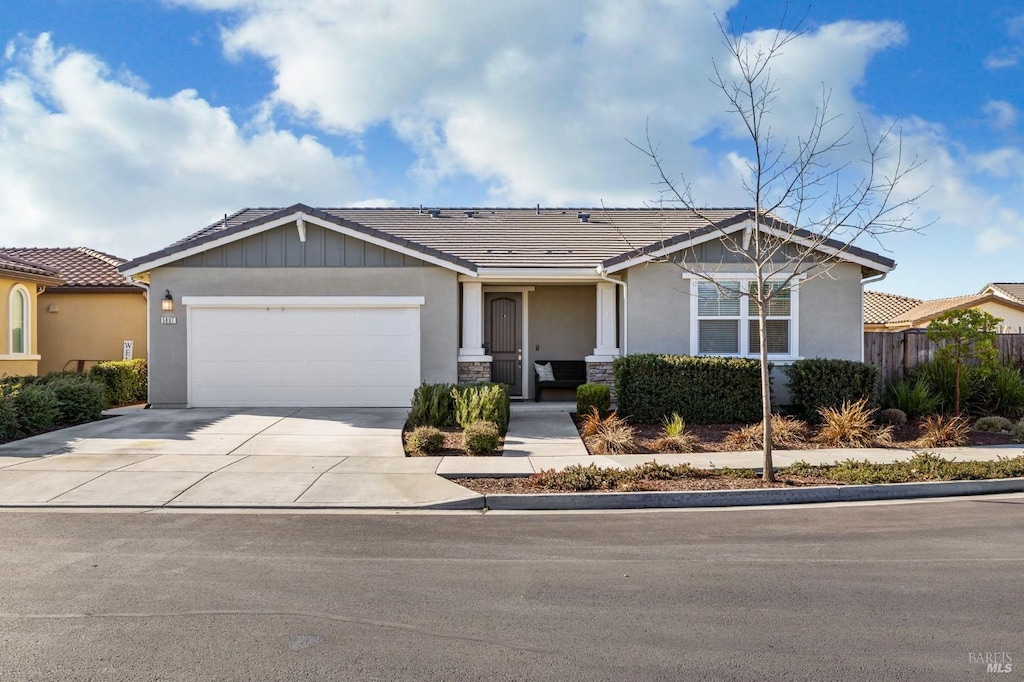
(127,124)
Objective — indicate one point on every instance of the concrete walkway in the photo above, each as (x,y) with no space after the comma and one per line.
(313,459)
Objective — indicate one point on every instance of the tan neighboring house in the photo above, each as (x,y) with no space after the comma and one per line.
(84,313)
(20,284)
(891,312)
(1011,290)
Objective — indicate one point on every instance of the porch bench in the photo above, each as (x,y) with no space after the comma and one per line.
(568,374)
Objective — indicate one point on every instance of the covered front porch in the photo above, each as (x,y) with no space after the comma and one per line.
(508,325)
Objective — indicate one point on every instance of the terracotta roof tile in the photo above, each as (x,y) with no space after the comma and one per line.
(880,307)
(13,264)
(78,266)
(1013,290)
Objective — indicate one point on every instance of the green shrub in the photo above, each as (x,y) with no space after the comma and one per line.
(915,398)
(940,377)
(8,419)
(702,390)
(892,415)
(425,439)
(79,399)
(1017,433)
(481,438)
(1005,392)
(993,424)
(36,409)
(432,405)
(126,380)
(482,402)
(593,395)
(817,384)
(923,466)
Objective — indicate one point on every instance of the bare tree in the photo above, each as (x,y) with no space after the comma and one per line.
(806,215)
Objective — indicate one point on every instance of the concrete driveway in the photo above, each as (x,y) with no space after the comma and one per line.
(222,458)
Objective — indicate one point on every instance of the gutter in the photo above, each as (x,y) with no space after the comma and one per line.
(863,283)
(603,274)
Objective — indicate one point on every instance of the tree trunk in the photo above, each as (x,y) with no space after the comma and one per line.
(956,386)
(766,387)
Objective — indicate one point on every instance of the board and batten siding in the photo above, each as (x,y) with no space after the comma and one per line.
(281,247)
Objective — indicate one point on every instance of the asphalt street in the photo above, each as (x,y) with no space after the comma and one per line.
(873,592)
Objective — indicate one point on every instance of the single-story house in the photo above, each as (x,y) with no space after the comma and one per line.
(891,312)
(1011,290)
(357,307)
(91,314)
(20,284)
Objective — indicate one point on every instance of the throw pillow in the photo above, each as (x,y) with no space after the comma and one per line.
(544,372)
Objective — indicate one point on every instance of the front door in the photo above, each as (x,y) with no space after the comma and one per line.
(503,338)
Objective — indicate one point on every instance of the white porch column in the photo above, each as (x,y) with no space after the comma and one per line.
(607,324)
(472,349)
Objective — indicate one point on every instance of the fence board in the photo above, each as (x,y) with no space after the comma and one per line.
(895,353)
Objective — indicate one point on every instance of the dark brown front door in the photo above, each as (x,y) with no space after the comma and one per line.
(503,339)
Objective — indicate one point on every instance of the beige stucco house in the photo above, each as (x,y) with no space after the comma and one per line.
(87,313)
(357,307)
(891,312)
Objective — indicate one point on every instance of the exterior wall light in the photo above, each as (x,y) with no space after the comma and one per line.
(167,302)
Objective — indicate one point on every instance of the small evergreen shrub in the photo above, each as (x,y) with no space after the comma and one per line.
(36,409)
(1017,432)
(593,395)
(993,424)
(940,377)
(8,419)
(892,415)
(432,405)
(127,381)
(426,439)
(702,390)
(1005,392)
(818,383)
(79,399)
(481,438)
(482,402)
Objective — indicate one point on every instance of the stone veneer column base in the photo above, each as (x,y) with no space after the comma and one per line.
(601,373)
(472,372)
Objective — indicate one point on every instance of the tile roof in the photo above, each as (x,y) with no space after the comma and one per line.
(1013,290)
(495,237)
(12,264)
(79,267)
(880,307)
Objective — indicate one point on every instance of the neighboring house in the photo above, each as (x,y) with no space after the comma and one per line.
(1011,290)
(357,307)
(20,283)
(88,314)
(889,312)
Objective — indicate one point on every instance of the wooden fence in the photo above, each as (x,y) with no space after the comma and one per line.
(893,353)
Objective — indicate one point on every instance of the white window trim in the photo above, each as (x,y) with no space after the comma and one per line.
(26,322)
(745,278)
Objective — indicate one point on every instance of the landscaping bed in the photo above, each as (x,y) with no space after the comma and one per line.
(452,447)
(652,476)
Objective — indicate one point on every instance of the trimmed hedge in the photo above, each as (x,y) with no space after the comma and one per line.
(819,384)
(481,438)
(127,381)
(36,409)
(79,399)
(432,405)
(589,396)
(702,390)
(8,419)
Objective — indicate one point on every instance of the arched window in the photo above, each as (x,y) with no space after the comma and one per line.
(19,306)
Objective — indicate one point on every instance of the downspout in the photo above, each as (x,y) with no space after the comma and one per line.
(625,306)
(145,287)
(864,283)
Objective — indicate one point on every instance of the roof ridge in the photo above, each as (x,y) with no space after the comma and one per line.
(99,255)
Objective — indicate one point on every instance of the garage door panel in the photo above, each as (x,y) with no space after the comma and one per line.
(330,357)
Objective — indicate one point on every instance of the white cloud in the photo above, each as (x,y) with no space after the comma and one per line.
(86,157)
(1001,114)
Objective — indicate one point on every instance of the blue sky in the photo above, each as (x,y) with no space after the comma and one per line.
(125,124)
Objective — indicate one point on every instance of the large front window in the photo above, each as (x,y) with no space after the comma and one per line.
(725,318)
(19,320)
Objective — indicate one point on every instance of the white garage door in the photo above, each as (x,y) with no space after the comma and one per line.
(309,352)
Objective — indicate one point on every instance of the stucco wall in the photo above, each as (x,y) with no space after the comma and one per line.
(29,363)
(89,326)
(563,321)
(168,381)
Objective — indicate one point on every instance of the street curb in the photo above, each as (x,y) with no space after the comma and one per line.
(743,498)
